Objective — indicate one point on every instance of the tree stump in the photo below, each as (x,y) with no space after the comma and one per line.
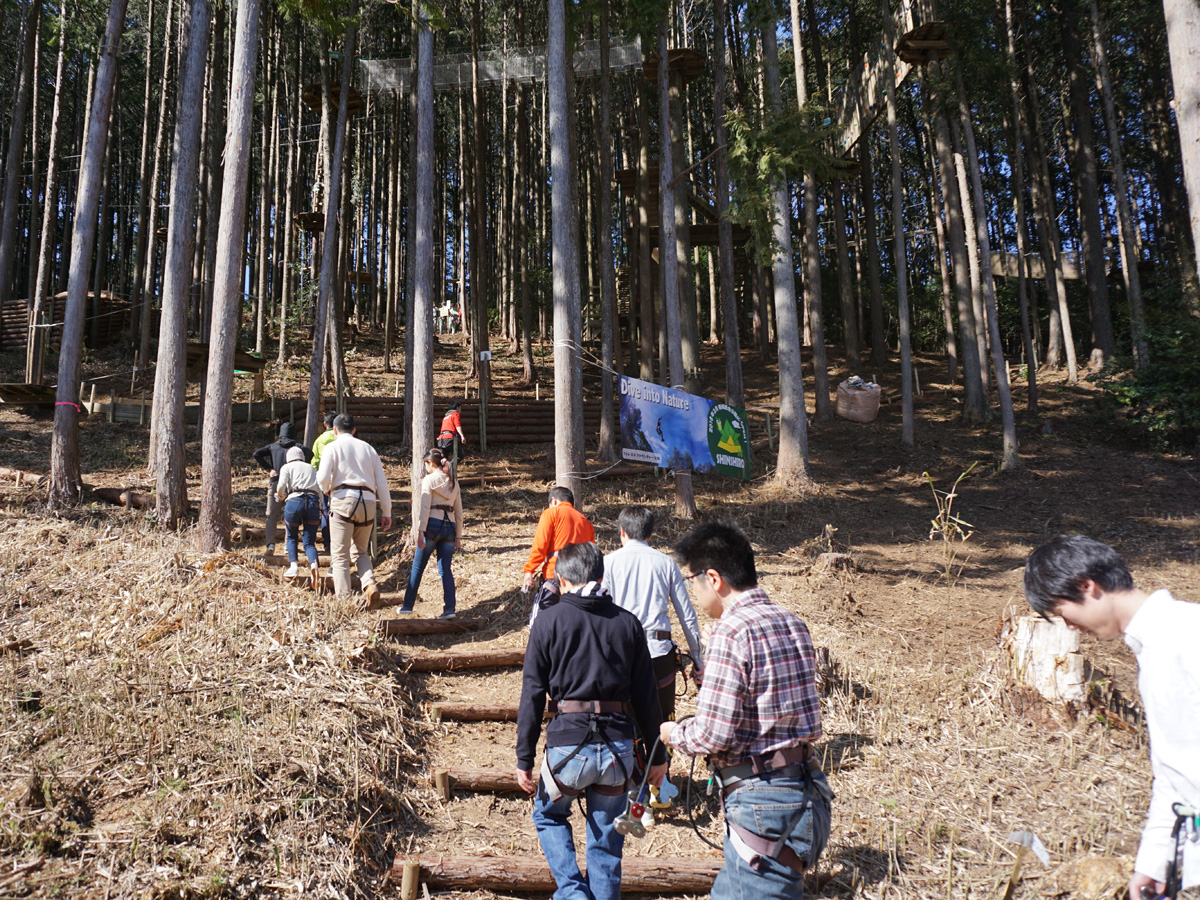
(1044,656)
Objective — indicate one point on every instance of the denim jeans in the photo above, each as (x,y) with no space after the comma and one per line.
(593,765)
(302,512)
(439,539)
(766,807)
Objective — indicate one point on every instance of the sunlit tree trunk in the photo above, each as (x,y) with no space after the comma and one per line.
(734,389)
(568,388)
(420,386)
(229,276)
(65,476)
(1183,38)
(900,250)
(329,243)
(169,427)
(608,432)
(791,471)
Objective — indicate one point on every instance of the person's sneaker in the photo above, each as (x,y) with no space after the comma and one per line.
(270,551)
(315,576)
(447,615)
(374,596)
(292,571)
(402,612)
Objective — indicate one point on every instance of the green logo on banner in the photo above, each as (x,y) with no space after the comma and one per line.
(729,440)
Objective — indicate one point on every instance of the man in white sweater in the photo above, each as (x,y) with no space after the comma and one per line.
(1086,583)
(352,474)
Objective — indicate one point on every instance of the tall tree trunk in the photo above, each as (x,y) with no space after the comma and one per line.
(936,204)
(139,252)
(1183,40)
(645,275)
(1009,459)
(329,243)
(420,386)
(218,99)
(65,476)
(735,393)
(169,427)
(289,214)
(685,501)
(1018,168)
(899,247)
(35,359)
(812,235)
(568,388)
(791,470)
(1129,250)
(608,288)
(689,324)
(1082,142)
(150,281)
(13,159)
(480,275)
(229,276)
(871,236)
(970,236)
(974,404)
(522,233)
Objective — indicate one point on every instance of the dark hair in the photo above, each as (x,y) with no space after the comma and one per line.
(438,458)
(580,563)
(719,545)
(562,494)
(329,417)
(1056,571)
(637,522)
(344,423)
(453,406)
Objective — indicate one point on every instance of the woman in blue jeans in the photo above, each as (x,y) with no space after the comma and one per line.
(298,488)
(438,530)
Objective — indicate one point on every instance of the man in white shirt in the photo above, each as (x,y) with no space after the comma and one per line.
(1086,583)
(352,474)
(642,580)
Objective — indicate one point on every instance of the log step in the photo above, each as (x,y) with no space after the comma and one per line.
(458,660)
(478,780)
(472,712)
(639,874)
(403,627)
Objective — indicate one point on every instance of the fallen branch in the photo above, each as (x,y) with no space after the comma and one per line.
(480,780)
(400,627)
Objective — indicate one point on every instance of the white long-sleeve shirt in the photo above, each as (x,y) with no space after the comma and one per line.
(642,580)
(349,461)
(1164,635)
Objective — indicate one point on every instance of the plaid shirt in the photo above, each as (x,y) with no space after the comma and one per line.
(759,693)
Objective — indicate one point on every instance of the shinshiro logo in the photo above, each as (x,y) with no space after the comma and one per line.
(729,440)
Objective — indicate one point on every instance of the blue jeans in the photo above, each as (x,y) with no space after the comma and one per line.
(439,538)
(593,765)
(766,807)
(302,512)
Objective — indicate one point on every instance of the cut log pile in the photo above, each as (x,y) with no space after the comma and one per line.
(639,875)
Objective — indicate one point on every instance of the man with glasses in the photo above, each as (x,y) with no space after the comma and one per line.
(757,716)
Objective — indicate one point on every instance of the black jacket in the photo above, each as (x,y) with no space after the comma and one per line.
(586,648)
(274,456)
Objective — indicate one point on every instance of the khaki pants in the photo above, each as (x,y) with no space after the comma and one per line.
(350,541)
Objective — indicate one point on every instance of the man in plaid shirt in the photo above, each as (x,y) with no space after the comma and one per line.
(757,715)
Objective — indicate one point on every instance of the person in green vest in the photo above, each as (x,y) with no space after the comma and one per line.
(323,440)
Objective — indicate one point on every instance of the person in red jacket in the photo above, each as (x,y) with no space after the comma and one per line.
(450,439)
(560,524)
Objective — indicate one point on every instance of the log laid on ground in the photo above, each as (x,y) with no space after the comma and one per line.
(22,477)
(639,874)
(127,498)
(399,627)
(481,780)
(1044,656)
(472,712)
(454,660)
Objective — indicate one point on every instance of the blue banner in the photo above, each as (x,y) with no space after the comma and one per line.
(676,430)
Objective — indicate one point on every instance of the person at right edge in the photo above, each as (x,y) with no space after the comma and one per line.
(589,657)
(1088,584)
(757,716)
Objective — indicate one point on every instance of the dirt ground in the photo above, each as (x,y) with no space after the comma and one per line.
(180,725)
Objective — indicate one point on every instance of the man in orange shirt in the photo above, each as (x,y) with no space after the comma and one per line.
(560,524)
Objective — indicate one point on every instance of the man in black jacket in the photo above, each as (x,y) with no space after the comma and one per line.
(589,656)
(272,458)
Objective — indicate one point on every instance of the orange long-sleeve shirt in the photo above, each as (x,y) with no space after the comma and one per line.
(559,525)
